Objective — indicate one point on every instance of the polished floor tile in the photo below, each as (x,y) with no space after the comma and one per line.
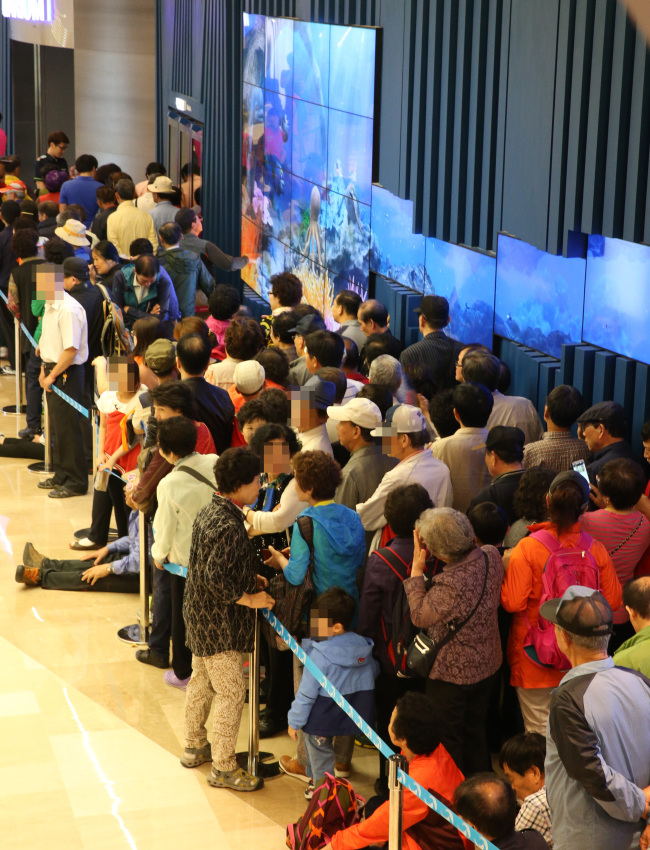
(90,737)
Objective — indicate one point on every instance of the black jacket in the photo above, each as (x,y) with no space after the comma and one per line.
(215,408)
(502,492)
(7,257)
(91,300)
(46,228)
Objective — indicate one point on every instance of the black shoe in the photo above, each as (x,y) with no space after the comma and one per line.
(271,726)
(29,433)
(47,484)
(148,656)
(63,493)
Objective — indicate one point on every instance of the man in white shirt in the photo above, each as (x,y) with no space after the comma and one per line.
(515,411)
(404,437)
(181,495)
(63,348)
(464,451)
(309,414)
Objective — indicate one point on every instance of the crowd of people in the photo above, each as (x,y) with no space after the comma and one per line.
(410,503)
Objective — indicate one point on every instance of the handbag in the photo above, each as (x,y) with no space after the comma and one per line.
(423,651)
(292,601)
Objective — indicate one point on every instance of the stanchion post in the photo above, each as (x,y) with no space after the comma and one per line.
(254,703)
(94,425)
(19,367)
(396,802)
(144,580)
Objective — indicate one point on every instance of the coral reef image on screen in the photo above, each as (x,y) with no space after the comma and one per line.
(466,278)
(307,153)
(539,296)
(617,297)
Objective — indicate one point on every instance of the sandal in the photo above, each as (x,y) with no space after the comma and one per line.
(194,756)
(236,780)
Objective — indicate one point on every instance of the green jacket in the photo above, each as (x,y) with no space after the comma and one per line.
(187,272)
(635,652)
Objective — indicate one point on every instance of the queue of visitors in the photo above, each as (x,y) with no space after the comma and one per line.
(416,507)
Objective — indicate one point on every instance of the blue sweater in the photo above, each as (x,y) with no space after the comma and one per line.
(347,662)
(339,549)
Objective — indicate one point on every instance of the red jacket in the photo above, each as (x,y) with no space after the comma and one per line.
(423,828)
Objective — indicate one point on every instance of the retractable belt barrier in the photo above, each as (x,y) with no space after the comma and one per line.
(413,786)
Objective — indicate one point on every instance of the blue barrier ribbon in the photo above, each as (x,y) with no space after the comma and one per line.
(78,407)
(407,781)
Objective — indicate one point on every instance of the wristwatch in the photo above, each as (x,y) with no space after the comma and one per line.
(110,569)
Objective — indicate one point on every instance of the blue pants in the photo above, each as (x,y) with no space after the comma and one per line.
(320,756)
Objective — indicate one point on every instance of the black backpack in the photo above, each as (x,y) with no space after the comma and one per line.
(403,631)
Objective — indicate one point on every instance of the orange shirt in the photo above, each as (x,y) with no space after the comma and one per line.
(522,589)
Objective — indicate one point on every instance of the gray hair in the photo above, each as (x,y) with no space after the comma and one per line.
(448,533)
(591,644)
(386,370)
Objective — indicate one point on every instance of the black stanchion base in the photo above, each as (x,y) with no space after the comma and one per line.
(10,410)
(84,532)
(267,767)
(39,468)
(133,635)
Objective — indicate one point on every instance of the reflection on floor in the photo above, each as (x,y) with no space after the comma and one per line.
(90,737)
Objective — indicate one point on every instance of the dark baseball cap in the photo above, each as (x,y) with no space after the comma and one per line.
(435,309)
(321,394)
(160,356)
(505,438)
(609,413)
(576,478)
(76,267)
(581,611)
(307,325)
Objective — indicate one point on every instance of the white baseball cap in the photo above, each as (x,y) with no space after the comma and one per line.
(401,419)
(359,411)
(249,377)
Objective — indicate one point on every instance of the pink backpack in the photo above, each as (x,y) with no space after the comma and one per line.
(563,568)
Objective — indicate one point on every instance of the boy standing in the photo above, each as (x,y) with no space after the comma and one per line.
(345,658)
(522,760)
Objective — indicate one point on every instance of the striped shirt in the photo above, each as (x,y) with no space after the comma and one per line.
(556,450)
(535,814)
(626,537)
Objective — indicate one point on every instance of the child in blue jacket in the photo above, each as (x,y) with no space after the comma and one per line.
(346,660)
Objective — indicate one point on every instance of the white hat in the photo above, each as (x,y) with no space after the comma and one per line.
(74,232)
(249,377)
(401,419)
(161,184)
(359,411)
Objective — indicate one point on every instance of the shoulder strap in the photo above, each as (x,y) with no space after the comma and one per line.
(393,560)
(306,528)
(546,539)
(197,475)
(630,535)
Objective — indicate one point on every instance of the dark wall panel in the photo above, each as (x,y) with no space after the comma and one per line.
(6,83)
(529,122)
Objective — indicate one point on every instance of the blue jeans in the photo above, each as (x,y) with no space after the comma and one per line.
(320,756)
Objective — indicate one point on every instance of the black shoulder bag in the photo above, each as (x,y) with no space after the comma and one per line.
(293,601)
(423,651)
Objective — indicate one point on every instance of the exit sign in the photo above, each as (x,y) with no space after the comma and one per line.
(37,11)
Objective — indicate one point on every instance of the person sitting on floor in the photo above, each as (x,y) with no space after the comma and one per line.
(414,731)
(115,568)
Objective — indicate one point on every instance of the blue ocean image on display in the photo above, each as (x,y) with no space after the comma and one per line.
(309,142)
(311,58)
(395,251)
(279,56)
(349,155)
(539,296)
(617,297)
(254,42)
(466,278)
(308,209)
(347,223)
(276,214)
(352,70)
(278,124)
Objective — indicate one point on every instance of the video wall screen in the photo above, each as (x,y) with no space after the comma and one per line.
(395,251)
(466,278)
(539,296)
(617,297)
(307,152)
